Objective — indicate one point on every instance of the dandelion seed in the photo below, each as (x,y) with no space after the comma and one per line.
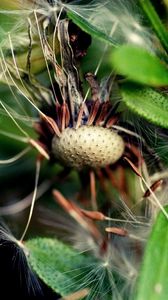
(153,187)
(77,295)
(115,230)
(149,188)
(14,262)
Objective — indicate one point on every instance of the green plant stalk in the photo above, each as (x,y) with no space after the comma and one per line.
(155,22)
(153,279)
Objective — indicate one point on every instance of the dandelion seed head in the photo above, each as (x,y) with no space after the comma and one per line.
(88,145)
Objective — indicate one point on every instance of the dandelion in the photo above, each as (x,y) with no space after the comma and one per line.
(73,130)
(83,130)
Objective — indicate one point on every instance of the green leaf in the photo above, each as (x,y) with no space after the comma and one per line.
(59,266)
(147,103)
(139,65)
(153,280)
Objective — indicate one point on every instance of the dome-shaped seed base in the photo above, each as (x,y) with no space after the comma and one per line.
(92,146)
